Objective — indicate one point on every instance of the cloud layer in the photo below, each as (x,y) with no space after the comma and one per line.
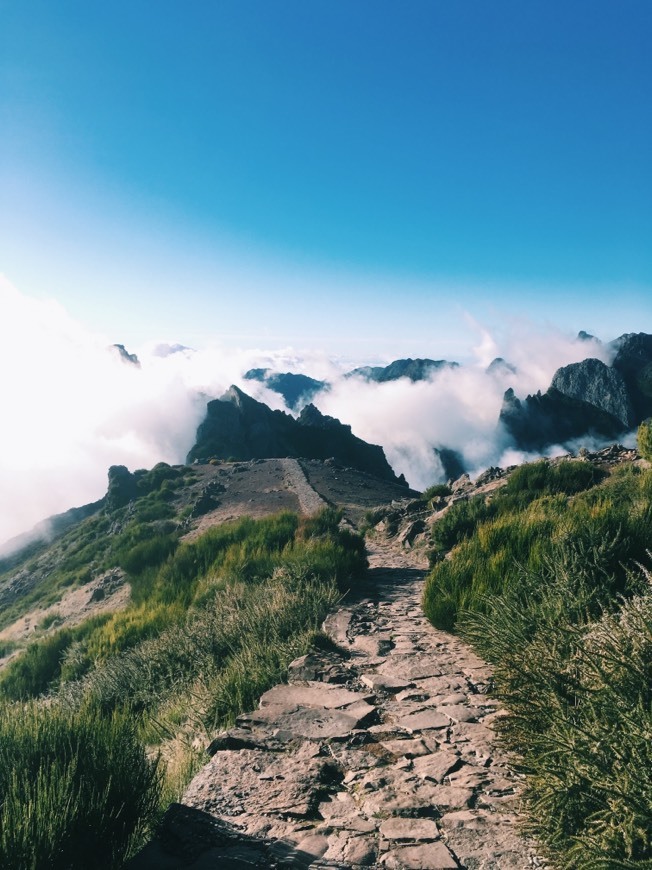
(72,406)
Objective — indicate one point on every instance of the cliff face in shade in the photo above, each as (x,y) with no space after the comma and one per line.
(594,382)
(237,426)
(588,398)
(633,361)
(554,418)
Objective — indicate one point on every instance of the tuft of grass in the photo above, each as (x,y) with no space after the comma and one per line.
(490,541)
(78,789)
(578,685)
(543,581)
(644,440)
(437,490)
(215,623)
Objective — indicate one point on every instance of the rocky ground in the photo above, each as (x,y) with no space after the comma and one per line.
(378,753)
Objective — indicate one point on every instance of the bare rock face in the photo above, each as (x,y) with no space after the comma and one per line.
(554,418)
(594,382)
(633,361)
(587,398)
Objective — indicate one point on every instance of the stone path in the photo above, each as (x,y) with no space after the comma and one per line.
(380,755)
(309,501)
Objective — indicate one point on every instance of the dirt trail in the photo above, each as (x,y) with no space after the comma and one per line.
(380,755)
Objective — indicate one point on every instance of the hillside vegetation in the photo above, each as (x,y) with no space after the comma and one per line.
(98,720)
(549,579)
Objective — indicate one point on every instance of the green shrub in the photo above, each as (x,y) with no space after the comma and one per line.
(521,528)
(77,788)
(149,510)
(217,623)
(542,478)
(33,672)
(459,521)
(147,554)
(179,576)
(261,585)
(50,620)
(40,667)
(644,440)
(7,647)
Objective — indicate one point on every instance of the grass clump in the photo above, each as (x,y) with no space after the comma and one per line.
(211,625)
(541,509)
(255,606)
(576,678)
(546,586)
(437,490)
(644,440)
(78,789)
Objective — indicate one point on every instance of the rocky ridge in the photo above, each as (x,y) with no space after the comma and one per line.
(239,427)
(413,369)
(587,398)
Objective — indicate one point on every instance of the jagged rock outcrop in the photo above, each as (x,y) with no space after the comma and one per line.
(239,427)
(633,361)
(297,390)
(414,369)
(594,382)
(554,418)
(587,398)
(452,462)
(123,487)
(125,356)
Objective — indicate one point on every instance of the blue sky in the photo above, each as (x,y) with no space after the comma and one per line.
(359,176)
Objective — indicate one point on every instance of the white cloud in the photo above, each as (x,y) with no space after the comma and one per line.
(72,407)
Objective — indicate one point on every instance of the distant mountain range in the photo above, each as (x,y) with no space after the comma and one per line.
(585,399)
(298,390)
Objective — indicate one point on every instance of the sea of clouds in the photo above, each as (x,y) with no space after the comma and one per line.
(72,406)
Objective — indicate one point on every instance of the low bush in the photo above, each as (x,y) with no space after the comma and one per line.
(490,541)
(219,621)
(34,672)
(644,440)
(250,604)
